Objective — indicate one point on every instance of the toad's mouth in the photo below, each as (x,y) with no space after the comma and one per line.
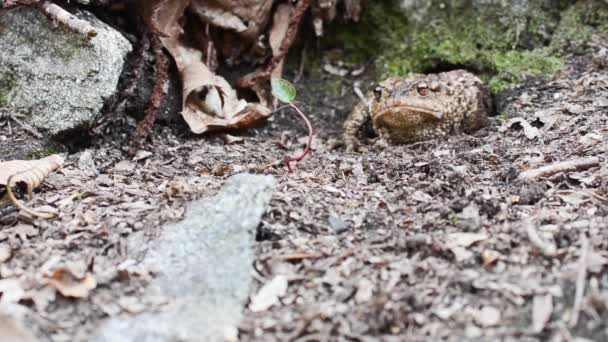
(408,110)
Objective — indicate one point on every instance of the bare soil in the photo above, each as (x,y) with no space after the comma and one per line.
(436,240)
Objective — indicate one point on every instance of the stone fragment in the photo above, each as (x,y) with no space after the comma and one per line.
(204,268)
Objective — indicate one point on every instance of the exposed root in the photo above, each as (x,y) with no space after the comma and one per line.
(565,166)
(160,74)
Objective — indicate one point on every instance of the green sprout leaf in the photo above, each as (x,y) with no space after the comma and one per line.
(283,90)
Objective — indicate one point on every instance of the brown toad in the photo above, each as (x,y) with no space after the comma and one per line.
(421,107)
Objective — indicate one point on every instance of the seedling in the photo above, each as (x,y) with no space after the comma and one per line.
(286,92)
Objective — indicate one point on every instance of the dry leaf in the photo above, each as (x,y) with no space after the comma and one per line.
(208,101)
(69,286)
(269,294)
(542,308)
(488,316)
(365,290)
(530,131)
(29,172)
(5,252)
(458,243)
(465,239)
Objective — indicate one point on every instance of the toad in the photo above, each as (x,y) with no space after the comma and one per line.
(421,107)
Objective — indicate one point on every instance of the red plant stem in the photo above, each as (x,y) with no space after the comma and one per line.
(288,160)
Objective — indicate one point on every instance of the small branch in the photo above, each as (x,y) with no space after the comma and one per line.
(565,166)
(68,19)
(8,4)
(580,281)
(25,126)
(288,160)
(54,12)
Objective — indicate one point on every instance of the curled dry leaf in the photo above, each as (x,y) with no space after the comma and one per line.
(69,285)
(30,173)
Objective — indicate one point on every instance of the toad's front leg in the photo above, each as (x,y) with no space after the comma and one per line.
(356,119)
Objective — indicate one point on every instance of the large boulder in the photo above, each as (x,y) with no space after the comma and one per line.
(56,78)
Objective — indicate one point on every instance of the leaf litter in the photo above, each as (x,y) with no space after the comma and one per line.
(388,272)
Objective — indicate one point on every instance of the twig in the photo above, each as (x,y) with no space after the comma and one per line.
(580,281)
(25,126)
(70,21)
(288,160)
(57,13)
(296,257)
(8,4)
(18,204)
(160,73)
(565,166)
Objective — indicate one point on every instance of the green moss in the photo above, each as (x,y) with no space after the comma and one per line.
(69,46)
(41,152)
(579,23)
(511,64)
(334,85)
(451,35)
(7,83)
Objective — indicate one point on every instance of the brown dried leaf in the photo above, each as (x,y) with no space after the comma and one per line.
(246,17)
(208,102)
(29,172)
(69,285)
(269,294)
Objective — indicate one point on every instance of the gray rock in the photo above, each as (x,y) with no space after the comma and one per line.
(54,76)
(205,265)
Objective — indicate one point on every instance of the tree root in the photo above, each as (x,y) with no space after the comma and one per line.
(161,72)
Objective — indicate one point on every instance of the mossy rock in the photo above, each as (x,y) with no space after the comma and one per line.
(7,83)
(499,40)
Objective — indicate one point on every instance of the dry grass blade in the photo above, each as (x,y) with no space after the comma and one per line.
(30,173)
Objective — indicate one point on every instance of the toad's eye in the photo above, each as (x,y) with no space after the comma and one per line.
(378,92)
(423,89)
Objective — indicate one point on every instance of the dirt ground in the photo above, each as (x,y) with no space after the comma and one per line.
(436,240)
